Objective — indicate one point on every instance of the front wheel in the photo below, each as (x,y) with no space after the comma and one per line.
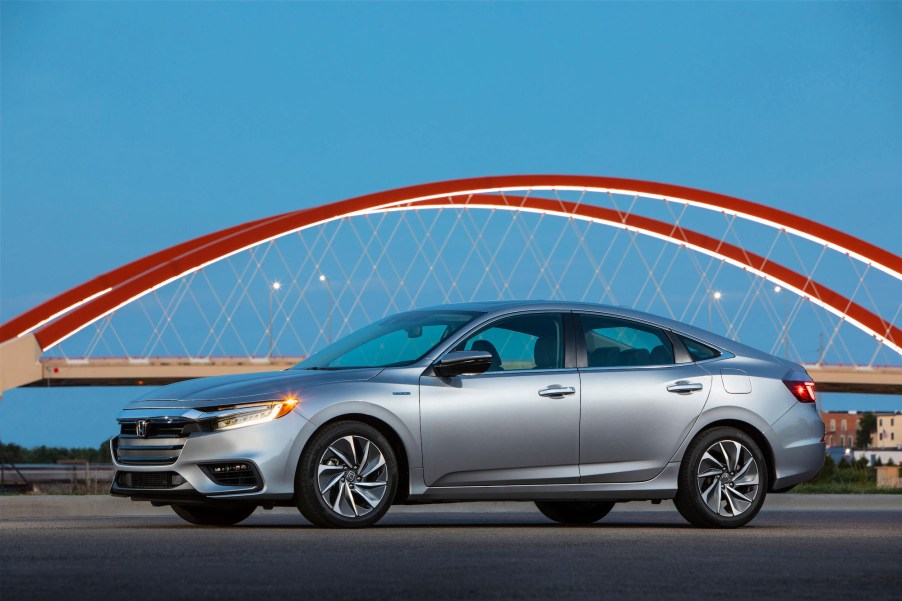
(575,512)
(213,515)
(347,476)
(723,479)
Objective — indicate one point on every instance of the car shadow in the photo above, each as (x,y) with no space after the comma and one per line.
(427,525)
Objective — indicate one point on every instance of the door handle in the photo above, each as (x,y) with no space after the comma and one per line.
(556,390)
(682,386)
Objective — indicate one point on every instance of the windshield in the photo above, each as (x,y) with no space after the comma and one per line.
(392,342)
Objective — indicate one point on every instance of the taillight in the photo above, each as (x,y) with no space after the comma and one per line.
(802,390)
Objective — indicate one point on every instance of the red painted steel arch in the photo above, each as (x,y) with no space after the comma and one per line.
(62,316)
(802,285)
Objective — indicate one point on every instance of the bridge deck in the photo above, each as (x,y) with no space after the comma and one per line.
(164,370)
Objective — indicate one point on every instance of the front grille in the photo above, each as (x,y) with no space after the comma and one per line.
(145,451)
(160,441)
(156,428)
(239,473)
(147,480)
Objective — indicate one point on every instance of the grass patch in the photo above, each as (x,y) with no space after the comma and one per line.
(843,488)
(845,478)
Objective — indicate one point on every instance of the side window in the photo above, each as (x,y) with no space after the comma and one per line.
(612,342)
(530,341)
(697,350)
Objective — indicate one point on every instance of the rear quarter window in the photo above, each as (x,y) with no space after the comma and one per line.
(698,351)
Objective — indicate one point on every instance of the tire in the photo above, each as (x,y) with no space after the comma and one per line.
(213,515)
(575,512)
(723,479)
(346,477)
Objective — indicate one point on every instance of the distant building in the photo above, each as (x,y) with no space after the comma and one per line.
(840,428)
(889,431)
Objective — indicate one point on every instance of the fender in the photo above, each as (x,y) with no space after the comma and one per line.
(317,416)
(734,413)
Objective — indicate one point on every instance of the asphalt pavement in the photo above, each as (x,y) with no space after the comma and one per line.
(799,547)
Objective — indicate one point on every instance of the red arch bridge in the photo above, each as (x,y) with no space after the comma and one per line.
(264,294)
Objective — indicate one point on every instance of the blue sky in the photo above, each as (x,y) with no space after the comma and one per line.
(127,127)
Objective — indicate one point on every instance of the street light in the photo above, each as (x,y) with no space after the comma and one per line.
(716,296)
(273,288)
(323,279)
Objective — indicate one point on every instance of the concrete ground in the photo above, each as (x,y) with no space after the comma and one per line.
(799,547)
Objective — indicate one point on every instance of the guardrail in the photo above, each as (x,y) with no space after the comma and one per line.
(23,477)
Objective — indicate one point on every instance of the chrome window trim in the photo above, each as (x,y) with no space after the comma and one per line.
(721,357)
(622,318)
(515,372)
(633,367)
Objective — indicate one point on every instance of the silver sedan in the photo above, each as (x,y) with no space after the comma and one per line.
(573,406)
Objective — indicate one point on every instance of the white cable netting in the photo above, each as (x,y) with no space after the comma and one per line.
(339,276)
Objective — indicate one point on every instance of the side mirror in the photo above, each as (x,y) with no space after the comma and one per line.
(459,363)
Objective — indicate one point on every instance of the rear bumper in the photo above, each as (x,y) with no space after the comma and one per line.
(797,445)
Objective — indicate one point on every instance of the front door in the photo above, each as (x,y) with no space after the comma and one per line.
(518,423)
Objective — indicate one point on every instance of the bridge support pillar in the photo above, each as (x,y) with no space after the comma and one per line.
(19,362)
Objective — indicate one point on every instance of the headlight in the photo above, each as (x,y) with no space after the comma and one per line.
(248,415)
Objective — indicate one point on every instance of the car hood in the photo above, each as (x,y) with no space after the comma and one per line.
(244,388)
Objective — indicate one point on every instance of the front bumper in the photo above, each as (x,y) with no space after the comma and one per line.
(270,450)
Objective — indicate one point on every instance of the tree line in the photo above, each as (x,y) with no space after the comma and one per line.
(13,453)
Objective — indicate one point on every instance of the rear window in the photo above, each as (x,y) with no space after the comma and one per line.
(697,350)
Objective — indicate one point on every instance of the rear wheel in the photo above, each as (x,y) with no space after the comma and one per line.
(575,512)
(723,479)
(213,515)
(347,476)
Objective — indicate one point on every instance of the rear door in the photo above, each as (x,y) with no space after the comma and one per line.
(638,405)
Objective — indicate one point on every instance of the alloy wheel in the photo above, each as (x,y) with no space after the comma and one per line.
(728,478)
(352,476)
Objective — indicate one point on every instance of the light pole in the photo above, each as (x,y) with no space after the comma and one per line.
(325,280)
(785,329)
(273,288)
(714,297)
